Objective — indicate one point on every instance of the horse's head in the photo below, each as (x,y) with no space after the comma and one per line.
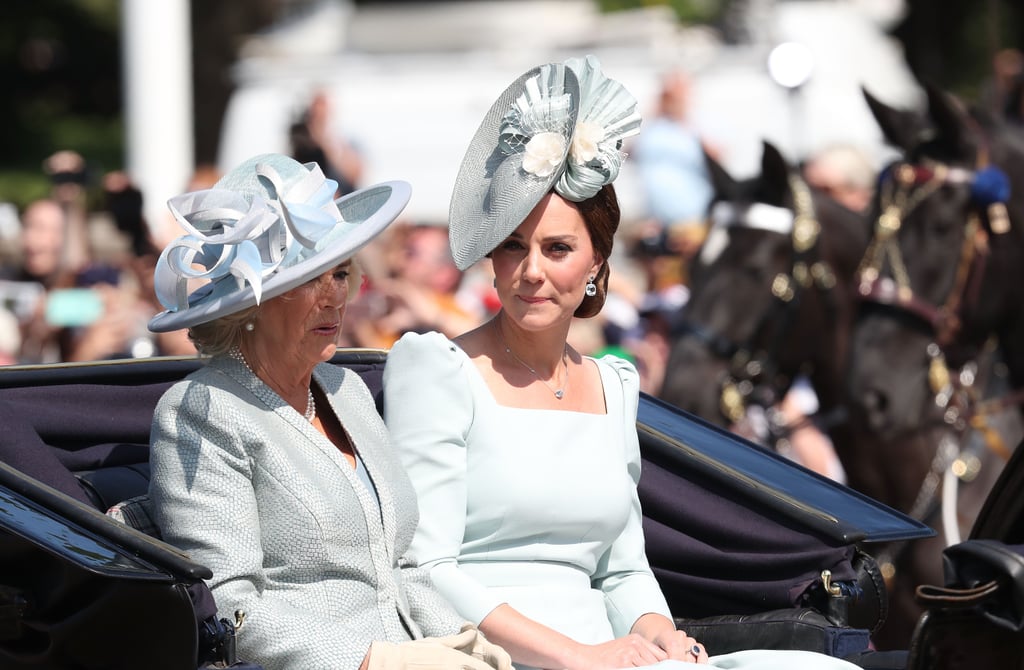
(762,292)
(930,276)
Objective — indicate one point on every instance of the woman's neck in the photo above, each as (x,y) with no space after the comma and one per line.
(542,351)
(290,381)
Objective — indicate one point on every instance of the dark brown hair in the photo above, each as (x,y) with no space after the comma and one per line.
(601,216)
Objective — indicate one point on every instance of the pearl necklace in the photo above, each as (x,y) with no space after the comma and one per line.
(558,392)
(310,412)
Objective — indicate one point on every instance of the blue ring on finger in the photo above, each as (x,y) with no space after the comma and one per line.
(695,650)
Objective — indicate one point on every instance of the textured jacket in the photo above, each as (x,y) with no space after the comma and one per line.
(246,486)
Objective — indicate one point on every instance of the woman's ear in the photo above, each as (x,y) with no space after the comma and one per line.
(598,262)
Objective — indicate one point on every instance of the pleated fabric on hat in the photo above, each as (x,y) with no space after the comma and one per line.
(557,127)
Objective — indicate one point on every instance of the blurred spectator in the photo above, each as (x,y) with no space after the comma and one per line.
(1013,110)
(10,337)
(419,294)
(669,155)
(43,250)
(844,173)
(806,443)
(313,138)
(68,178)
(94,286)
(43,269)
(1003,83)
(124,203)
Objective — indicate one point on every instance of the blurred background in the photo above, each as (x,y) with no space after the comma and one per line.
(403,75)
(113,106)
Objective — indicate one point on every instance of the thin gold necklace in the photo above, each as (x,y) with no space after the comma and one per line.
(558,392)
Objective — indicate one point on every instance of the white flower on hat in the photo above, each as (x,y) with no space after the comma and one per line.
(543,121)
(543,154)
(586,141)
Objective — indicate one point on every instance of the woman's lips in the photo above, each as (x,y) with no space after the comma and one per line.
(532,300)
(327,329)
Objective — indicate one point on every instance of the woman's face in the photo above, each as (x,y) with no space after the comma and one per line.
(542,268)
(301,327)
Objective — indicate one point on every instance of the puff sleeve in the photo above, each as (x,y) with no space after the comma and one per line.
(428,408)
(623,573)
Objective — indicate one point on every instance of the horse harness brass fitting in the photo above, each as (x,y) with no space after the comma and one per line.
(906,188)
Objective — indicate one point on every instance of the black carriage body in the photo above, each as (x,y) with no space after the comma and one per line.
(79,589)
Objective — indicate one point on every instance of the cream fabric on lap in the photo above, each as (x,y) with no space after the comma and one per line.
(764,659)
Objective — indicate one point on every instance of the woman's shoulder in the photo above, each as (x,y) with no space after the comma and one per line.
(427,369)
(426,349)
(623,368)
(206,392)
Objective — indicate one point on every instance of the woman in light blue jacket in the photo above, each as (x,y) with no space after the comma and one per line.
(272,467)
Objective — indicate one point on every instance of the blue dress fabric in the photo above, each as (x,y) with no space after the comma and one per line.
(534,508)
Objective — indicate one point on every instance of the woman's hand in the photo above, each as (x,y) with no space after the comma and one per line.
(681,647)
(675,644)
(624,652)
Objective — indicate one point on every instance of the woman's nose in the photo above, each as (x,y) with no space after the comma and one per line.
(533,270)
(333,292)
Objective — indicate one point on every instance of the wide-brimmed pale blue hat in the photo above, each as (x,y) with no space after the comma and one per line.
(557,127)
(266,227)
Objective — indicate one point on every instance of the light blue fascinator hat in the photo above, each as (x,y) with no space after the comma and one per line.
(559,126)
(267,226)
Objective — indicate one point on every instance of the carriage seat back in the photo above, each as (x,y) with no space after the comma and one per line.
(84,430)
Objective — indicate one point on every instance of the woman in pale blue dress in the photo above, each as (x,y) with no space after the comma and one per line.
(523,452)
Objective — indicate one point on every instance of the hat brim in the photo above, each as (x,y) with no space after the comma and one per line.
(365,213)
(492,194)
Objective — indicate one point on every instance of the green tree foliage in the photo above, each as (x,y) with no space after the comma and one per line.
(952,43)
(59,61)
(688,11)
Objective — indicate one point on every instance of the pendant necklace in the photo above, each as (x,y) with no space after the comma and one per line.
(310,412)
(558,392)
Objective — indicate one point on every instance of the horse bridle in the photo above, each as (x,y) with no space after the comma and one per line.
(751,376)
(903,188)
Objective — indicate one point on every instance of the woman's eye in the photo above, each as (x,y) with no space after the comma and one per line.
(342,274)
(511,245)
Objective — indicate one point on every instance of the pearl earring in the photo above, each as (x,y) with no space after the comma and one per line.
(250,326)
(591,288)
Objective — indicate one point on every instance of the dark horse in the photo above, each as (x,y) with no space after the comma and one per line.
(770,298)
(942,284)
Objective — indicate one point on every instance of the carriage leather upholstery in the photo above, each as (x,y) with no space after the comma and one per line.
(95,424)
(795,628)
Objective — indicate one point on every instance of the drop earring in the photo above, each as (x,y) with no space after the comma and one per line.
(591,288)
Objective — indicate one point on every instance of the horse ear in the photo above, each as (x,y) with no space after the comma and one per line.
(901,128)
(722,182)
(774,175)
(950,121)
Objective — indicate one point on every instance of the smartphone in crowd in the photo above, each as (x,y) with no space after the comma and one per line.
(69,307)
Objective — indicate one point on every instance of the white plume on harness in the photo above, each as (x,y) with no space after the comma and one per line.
(757,215)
